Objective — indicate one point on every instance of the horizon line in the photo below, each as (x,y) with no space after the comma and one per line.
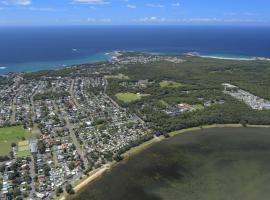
(134,25)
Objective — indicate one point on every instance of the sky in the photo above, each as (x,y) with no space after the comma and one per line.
(134,12)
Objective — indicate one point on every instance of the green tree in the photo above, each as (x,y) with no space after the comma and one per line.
(59,191)
(69,189)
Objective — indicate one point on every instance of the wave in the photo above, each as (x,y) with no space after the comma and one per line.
(221,57)
(228,58)
(2,68)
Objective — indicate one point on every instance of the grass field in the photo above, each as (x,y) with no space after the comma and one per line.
(198,107)
(12,134)
(119,76)
(23,149)
(170,84)
(128,97)
(164,103)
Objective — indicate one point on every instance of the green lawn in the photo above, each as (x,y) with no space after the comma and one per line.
(128,97)
(170,84)
(164,103)
(119,76)
(198,107)
(23,149)
(12,134)
(24,153)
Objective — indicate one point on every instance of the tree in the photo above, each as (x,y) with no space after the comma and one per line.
(16,192)
(69,189)
(47,170)
(2,168)
(118,157)
(41,146)
(244,123)
(13,144)
(71,166)
(59,191)
(166,135)
(25,195)
(11,154)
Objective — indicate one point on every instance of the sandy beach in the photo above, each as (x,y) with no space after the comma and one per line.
(92,177)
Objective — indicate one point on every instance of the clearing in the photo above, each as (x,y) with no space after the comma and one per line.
(170,84)
(118,76)
(23,149)
(128,97)
(8,135)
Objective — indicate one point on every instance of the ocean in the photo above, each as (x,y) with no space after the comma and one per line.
(39,48)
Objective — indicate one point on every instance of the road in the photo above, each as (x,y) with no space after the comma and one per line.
(71,91)
(13,116)
(70,126)
(75,140)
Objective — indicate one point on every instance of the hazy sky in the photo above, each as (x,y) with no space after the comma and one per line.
(134,12)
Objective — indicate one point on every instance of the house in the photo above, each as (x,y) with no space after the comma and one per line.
(33,147)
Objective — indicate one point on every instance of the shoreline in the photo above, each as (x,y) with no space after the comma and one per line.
(28,67)
(98,173)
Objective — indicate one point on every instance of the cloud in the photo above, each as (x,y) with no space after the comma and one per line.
(230,13)
(245,13)
(92,2)
(176,4)
(23,2)
(4,3)
(151,19)
(250,13)
(106,20)
(92,21)
(131,6)
(202,19)
(42,9)
(155,5)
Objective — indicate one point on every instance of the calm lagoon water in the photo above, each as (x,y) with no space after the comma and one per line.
(210,164)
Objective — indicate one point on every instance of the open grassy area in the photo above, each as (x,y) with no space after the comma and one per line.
(128,97)
(12,134)
(164,103)
(23,149)
(119,76)
(170,84)
(198,107)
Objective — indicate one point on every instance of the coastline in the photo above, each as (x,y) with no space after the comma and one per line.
(98,173)
(106,56)
(92,176)
(36,66)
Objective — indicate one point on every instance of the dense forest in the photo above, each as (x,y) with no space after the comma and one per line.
(201,81)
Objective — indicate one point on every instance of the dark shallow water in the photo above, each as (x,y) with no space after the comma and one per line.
(212,164)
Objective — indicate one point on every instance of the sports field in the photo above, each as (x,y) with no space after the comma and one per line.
(118,76)
(23,149)
(128,97)
(12,134)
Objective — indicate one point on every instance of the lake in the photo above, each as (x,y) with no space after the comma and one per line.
(210,164)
